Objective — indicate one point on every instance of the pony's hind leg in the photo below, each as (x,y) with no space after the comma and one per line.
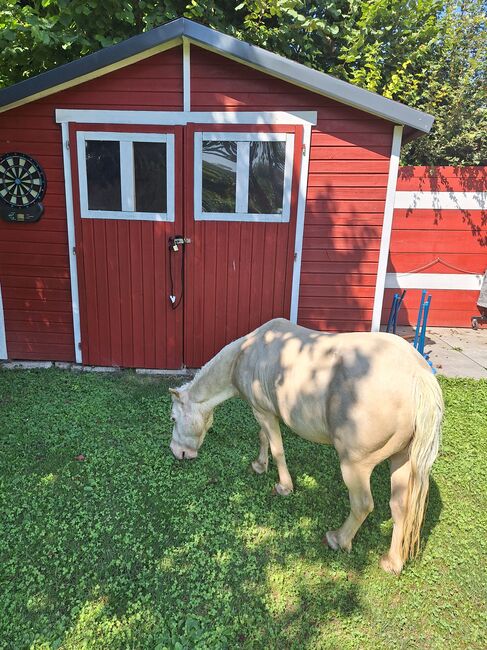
(393,561)
(357,478)
(260,465)
(270,427)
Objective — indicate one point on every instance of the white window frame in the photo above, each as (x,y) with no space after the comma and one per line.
(243,141)
(127,175)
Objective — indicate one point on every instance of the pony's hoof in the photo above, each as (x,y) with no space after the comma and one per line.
(390,565)
(331,539)
(258,467)
(281,490)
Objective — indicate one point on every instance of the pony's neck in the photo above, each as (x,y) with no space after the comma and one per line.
(213,383)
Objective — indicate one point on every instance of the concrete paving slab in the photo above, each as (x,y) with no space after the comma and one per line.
(26,365)
(455,352)
(471,343)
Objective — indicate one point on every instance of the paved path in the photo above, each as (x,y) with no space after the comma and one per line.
(456,352)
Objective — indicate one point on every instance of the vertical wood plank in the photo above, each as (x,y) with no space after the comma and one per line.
(125,293)
(148,272)
(114,292)
(137,293)
(90,277)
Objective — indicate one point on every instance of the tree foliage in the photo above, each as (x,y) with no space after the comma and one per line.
(430,54)
(455,90)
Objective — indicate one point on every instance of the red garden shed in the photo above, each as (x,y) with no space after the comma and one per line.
(197,186)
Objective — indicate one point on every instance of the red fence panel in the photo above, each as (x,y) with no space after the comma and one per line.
(439,237)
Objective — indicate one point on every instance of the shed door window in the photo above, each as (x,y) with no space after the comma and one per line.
(103,175)
(126,176)
(243,176)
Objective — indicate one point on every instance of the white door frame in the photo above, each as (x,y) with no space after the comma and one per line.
(73,270)
(3,340)
(169,118)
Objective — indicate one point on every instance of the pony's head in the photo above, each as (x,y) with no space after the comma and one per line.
(191,422)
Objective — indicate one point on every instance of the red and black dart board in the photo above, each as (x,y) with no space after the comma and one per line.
(22,188)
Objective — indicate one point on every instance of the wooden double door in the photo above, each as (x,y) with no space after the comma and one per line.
(184,237)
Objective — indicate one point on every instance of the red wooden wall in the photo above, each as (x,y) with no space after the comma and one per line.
(34,265)
(346,194)
(458,237)
(349,165)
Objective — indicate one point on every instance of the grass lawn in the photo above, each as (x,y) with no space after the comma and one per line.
(129,548)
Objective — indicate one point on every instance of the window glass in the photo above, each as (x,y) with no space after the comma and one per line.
(266,177)
(103,175)
(219,176)
(150,176)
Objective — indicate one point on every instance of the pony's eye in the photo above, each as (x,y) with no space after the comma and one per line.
(173,418)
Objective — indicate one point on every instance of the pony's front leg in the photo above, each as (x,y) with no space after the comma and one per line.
(260,465)
(270,427)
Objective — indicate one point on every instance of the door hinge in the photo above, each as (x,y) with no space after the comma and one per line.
(74,250)
(304,150)
(79,344)
(66,144)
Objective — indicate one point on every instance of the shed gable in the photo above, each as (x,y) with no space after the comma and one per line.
(34,262)
(348,172)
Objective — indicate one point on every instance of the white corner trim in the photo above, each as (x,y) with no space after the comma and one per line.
(441,200)
(449,281)
(386,228)
(73,271)
(186,75)
(3,340)
(298,242)
(180,118)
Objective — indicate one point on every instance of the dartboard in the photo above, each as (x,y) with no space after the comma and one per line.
(22,181)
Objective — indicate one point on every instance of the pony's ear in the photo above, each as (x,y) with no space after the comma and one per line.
(179,394)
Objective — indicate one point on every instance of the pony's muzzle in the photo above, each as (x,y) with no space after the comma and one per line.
(182,453)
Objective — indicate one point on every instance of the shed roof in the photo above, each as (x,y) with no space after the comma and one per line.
(173,33)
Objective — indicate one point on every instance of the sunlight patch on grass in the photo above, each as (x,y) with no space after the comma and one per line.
(48,479)
(130,548)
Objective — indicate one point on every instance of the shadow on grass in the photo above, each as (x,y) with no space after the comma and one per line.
(131,548)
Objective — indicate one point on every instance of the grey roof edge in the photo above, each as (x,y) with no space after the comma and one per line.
(92,62)
(269,62)
(306,77)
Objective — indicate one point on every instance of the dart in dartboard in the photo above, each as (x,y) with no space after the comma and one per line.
(22,188)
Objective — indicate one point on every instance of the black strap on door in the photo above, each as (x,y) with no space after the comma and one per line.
(174,242)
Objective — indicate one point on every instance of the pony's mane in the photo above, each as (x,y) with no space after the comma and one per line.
(209,365)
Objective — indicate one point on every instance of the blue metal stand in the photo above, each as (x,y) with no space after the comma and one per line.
(420,334)
(396,305)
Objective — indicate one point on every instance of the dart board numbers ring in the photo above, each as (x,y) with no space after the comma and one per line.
(22,187)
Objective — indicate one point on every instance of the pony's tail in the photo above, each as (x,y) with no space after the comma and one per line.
(428,403)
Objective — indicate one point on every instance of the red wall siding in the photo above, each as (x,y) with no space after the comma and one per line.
(349,164)
(345,202)
(458,237)
(34,265)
